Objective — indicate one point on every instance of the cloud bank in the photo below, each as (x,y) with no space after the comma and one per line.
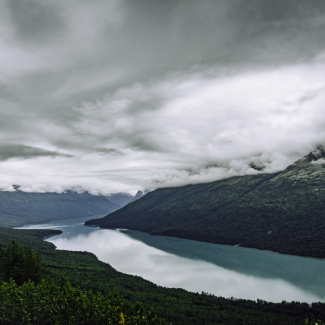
(109,96)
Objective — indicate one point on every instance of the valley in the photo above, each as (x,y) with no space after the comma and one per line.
(195,266)
(18,208)
(281,212)
(175,305)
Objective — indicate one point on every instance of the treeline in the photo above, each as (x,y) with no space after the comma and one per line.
(282,212)
(27,298)
(174,305)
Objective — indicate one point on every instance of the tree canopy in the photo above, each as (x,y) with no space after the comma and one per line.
(20,263)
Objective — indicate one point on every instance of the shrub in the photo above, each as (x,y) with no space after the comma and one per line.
(50,303)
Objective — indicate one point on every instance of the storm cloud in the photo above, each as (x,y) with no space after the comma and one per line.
(26,152)
(109,95)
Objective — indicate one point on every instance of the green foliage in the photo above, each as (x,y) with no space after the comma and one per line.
(282,212)
(313,321)
(174,305)
(61,303)
(20,263)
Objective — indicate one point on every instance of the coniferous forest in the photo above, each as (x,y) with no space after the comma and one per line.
(281,212)
(68,287)
(176,133)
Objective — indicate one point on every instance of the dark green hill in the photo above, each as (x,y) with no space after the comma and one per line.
(282,212)
(178,306)
(19,208)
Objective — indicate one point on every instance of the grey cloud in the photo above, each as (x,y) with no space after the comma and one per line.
(245,161)
(309,96)
(176,34)
(19,151)
(35,20)
(279,11)
(7,92)
(284,31)
(160,87)
(78,145)
(158,37)
(109,151)
(143,144)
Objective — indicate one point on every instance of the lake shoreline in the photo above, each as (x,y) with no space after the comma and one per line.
(201,241)
(192,265)
(49,236)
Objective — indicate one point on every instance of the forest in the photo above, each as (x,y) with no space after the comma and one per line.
(281,212)
(84,274)
(18,208)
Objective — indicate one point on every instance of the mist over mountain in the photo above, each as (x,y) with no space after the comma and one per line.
(18,208)
(139,195)
(212,103)
(120,199)
(281,212)
(117,96)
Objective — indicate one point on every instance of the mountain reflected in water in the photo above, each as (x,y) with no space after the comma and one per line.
(306,273)
(195,266)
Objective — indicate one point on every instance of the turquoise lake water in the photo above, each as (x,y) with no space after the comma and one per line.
(172,262)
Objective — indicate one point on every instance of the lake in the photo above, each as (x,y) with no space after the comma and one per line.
(195,266)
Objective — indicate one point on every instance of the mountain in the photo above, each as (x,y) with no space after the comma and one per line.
(282,212)
(19,208)
(139,195)
(120,198)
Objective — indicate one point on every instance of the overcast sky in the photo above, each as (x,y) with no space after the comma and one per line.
(124,95)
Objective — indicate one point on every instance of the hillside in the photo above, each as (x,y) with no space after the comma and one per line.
(281,212)
(178,306)
(19,208)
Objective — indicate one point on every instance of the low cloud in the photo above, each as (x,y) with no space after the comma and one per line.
(129,95)
(19,151)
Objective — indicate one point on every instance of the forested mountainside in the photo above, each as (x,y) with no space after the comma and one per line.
(19,208)
(282,212)
(175,305)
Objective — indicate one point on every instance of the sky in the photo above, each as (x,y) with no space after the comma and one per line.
(124,95)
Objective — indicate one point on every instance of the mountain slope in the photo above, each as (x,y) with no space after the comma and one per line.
(18,208)
(282,212)
(139,195)
(120,198)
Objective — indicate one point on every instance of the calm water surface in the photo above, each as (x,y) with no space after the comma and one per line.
(222,270)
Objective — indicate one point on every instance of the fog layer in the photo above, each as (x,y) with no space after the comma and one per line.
(111,96)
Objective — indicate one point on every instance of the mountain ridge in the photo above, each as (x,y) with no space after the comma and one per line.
(18,208)
(120,198)
(281,212)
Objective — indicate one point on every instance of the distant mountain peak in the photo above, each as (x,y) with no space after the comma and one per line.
(317,155)
(119,198)
(139,195)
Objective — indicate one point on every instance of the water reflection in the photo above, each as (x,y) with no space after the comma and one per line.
(222,270)
(307,273)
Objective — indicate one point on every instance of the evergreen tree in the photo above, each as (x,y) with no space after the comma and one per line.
(20,263)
